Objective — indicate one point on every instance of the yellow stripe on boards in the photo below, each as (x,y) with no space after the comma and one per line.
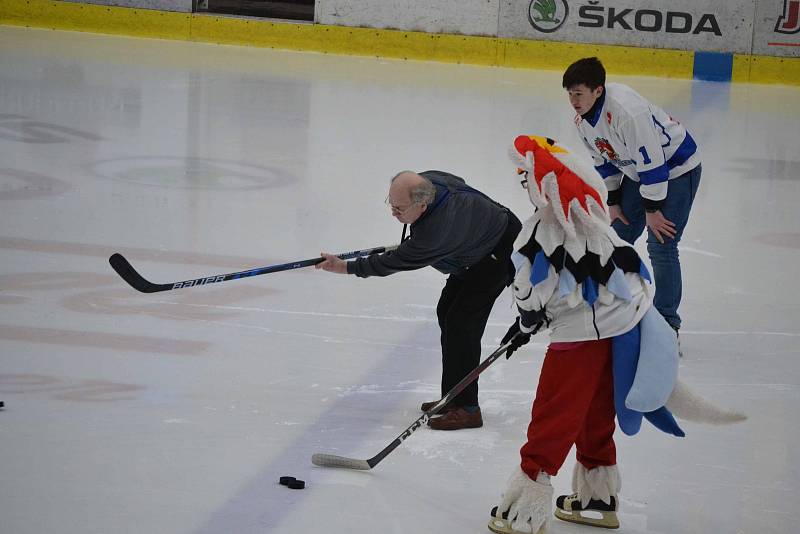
(552,55)
(345,40)
(767,69)
(741,68)
(96,18)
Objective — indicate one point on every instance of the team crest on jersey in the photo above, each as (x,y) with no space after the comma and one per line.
(608,152)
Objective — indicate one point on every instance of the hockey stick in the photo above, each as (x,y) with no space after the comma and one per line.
(332,460)
(138,282)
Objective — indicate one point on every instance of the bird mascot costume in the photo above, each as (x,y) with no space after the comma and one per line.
(611,354)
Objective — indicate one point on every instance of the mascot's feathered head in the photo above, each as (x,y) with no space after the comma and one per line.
(556,177)
(569,195)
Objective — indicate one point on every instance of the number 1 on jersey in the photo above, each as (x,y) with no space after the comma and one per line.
(645,158)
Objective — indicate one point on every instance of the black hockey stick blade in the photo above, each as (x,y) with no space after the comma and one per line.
(332,460)
(126,271)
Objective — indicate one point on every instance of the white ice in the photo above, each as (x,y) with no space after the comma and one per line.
(177,412)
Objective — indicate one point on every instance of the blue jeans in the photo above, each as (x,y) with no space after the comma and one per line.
(663,256)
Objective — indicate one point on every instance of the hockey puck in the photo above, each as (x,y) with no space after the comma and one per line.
(285,481)
(297,484)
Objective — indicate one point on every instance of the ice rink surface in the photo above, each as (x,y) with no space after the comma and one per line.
(177,412)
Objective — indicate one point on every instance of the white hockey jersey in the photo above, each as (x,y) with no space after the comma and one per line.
(629,135)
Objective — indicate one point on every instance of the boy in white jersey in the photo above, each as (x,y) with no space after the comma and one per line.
(650,165)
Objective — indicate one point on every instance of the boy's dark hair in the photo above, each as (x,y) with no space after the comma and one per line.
(587,71)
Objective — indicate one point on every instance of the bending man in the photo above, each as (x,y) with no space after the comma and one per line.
(464,234)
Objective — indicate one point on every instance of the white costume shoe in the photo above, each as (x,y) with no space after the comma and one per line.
(526,505)
(595,500)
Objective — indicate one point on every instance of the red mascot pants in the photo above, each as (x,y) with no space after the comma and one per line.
(574,404)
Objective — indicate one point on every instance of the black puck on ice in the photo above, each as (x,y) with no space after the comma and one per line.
(285,481)
(297,484)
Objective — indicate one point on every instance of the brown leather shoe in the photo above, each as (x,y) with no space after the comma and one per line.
(456,419)
(426,406)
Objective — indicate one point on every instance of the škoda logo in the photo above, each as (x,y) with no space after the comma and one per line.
(547,15)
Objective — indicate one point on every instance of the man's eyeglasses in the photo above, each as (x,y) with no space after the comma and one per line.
(398,209)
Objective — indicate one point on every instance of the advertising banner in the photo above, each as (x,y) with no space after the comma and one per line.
(777,29)
(713,25)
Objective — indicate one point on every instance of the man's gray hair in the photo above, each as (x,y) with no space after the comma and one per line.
(423,193)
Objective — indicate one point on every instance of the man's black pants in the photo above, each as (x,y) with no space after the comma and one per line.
(464,308)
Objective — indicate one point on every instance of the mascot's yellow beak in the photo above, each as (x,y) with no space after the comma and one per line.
(548,144)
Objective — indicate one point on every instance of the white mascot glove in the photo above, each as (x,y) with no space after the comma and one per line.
(526,507)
